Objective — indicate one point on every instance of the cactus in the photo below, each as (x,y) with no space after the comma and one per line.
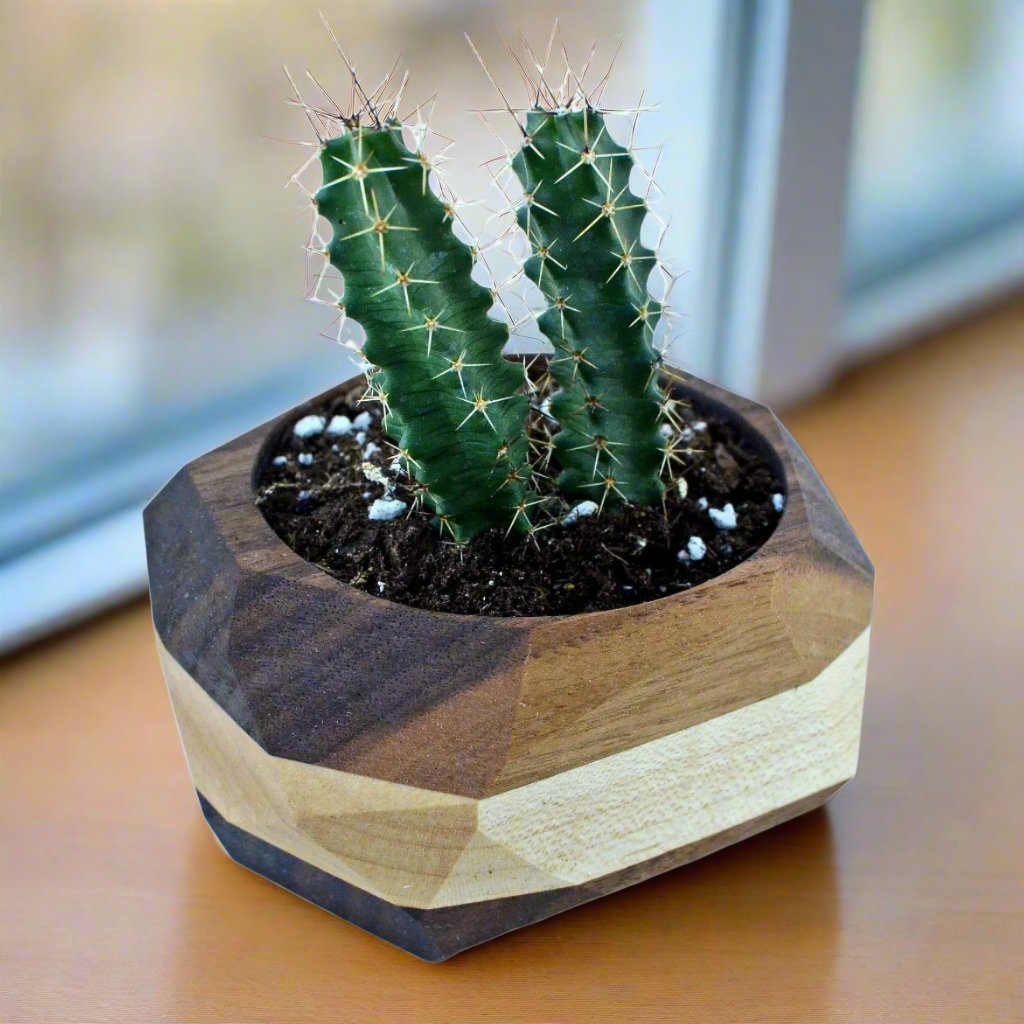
(583,223)
(451,401)
(433,354)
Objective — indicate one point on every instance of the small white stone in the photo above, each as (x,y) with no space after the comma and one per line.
(584,508)
(309,425)
(696,548)
(305,495)
(778,502)
(702,504)
(280,460)
(666,430)
(686,435)
(371,449)
(384,509)
(361,437)
(339,425)
(723,518)
(682,486)
(700,426)
(362,421)
(305,458)
(380,586)
(373,472)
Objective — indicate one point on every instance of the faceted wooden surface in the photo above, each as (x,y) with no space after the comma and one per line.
(898,901)
(482,773)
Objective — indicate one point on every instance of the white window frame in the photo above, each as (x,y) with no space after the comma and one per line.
(766,315)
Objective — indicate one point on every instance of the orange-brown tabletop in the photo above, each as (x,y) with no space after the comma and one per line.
(902,900)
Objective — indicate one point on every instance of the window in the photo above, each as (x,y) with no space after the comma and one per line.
(152,272)
(153,276)
(936,217)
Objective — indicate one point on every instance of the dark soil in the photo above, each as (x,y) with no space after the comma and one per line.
(622,557)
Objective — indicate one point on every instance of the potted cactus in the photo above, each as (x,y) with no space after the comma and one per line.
(471,639)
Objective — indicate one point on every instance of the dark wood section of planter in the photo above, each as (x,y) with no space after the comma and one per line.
(317,671)
(436,935)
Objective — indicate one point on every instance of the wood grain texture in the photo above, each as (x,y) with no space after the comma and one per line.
(432,760)
(901,900)
(420,848)
(392,691)
(436,934)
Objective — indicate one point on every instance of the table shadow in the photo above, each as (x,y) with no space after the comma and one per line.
(735,925)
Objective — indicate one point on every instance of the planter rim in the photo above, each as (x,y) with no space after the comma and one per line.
(736,407)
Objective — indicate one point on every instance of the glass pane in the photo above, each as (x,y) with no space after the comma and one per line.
(153,278)
(939,149)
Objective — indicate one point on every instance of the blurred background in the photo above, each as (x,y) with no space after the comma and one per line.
(841,176)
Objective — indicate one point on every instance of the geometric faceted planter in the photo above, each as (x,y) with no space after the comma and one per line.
(440,779)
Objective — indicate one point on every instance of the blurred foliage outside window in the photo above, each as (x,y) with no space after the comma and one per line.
(939,149)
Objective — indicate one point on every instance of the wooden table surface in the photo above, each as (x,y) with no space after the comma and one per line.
(903,900)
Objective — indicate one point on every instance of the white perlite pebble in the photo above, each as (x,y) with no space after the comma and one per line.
(361,437)
(682,486)
(778,502)
(339,425)
(584,508)
(376,474)
(362,421)
(723,518)
(309,425)
(371,449)
(305,459)
(386,508)
(666,430)
(700,426)
(305,495)
(280,460)
(702,504)
(694,551)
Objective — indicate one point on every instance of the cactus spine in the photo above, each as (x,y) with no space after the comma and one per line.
(450,400)
(584,223)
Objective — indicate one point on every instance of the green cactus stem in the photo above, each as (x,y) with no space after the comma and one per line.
(451,402)
(583,223)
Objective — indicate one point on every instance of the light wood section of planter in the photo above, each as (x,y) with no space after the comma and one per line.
(426,849)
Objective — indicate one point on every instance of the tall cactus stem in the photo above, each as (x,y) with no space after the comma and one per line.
(584,223)
(451,402)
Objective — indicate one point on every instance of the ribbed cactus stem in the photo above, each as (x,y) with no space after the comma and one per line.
(584,223)
(451,401)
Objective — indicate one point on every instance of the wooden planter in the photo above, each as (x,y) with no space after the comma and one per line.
(441,779)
